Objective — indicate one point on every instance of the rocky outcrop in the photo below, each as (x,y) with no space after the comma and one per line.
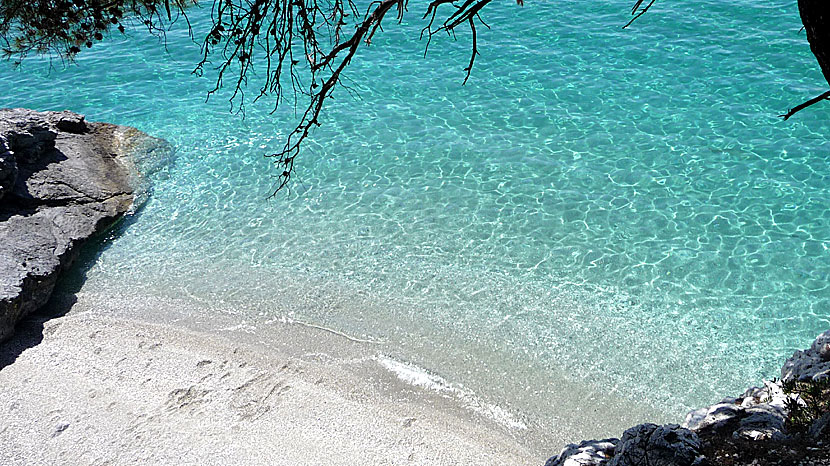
(641,445)
(586,453)
(746,429)
(759,414)
(62,180)
(653,445)
(812,364)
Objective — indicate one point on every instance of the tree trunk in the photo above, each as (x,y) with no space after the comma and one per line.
(815,14)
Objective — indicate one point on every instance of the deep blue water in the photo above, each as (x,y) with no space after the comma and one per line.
(621,206)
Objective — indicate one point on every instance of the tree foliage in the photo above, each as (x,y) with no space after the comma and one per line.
(808,402)
(65,27)
(301,47)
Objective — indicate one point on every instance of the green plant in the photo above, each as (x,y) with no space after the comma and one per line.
(808,401)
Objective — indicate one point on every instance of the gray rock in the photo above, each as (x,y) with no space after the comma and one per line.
(652,445)
(771,394)
(586,453)
(70,122)
(69,181)
(811,364)
(29,134)
(758,414)
(59,429)
(719,417)
(762,422)
(820,427)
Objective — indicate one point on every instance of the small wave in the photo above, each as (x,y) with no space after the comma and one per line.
(420,377)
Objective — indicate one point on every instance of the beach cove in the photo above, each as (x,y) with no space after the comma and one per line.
(578,240)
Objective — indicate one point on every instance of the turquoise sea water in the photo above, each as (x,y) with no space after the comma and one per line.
(619,206)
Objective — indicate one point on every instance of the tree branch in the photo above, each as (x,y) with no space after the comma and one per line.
(640,13)
(296,48)
(798,108)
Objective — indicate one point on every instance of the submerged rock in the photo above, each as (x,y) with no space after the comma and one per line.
(62,180)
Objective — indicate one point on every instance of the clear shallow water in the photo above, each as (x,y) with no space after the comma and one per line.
(622,207)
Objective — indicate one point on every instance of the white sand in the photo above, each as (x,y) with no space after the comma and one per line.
(100,389)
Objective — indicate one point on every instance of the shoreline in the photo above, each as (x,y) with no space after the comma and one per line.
(101,389)
(370,400)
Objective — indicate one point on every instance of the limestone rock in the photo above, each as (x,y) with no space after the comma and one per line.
(653,445)
(586,453)
(812,364)
(717,417)
(62,180)
(759,414)
(761,423)
(28,133)
(70,122)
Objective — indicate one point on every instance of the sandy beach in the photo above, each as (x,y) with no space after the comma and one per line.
(91,388)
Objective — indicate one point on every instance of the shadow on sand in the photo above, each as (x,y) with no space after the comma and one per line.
(29,332)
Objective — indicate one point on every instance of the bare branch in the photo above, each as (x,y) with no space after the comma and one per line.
(798,108)
(636,13)
(295,49)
